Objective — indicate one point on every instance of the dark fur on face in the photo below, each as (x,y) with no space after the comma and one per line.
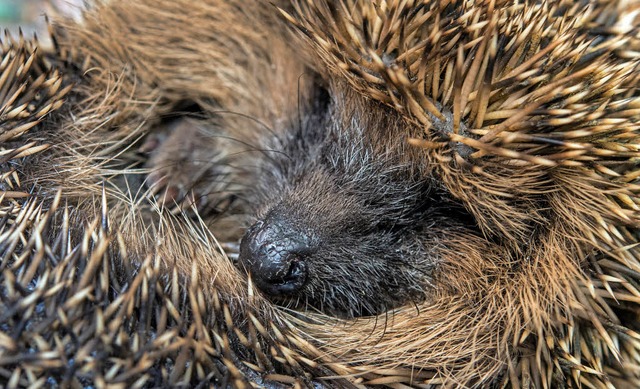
(342,185)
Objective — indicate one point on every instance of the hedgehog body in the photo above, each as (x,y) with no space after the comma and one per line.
(501,137)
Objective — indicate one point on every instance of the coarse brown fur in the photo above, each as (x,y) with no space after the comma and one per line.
(523,114)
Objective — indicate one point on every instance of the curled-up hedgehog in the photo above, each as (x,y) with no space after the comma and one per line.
(410,193)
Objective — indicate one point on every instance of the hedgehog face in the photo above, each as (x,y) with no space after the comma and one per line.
(344,224)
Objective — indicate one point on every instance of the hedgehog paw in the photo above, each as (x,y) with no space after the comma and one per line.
(183,172)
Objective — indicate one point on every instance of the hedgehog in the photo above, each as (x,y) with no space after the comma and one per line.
(509,127)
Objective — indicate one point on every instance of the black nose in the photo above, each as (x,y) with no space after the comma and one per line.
(276,254)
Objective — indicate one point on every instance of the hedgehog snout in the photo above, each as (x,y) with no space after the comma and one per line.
(276,256)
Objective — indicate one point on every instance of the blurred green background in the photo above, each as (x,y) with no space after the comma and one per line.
(24,13)
(29,14)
